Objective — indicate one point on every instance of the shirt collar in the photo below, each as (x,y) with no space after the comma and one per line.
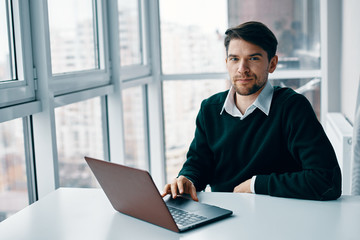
(263,102)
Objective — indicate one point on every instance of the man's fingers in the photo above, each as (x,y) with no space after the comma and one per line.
(166,190)
(180,185)
(193,193)
(174,189)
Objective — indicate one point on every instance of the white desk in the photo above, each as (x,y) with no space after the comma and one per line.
(87,214)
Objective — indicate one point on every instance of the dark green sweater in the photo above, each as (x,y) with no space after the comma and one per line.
(287,150)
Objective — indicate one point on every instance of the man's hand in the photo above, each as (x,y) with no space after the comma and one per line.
(180,185)
(243,187)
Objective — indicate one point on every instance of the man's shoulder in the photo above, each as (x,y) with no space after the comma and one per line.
(287,99)
(286,95)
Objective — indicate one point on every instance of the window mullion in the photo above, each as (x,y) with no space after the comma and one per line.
(29,158)
(146,125)
(10,25)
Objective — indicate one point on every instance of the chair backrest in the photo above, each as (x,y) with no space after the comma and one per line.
(355,185)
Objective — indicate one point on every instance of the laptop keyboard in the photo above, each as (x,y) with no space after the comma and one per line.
(184,218)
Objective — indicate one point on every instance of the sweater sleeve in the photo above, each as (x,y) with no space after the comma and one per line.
(320,177)
(197,167)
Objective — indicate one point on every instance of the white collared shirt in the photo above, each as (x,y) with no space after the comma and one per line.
(262,102)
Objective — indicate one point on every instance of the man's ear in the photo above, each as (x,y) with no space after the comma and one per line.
(273,64)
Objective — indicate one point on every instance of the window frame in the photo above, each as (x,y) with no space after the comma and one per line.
(133,72)
(64,83)
(22,88)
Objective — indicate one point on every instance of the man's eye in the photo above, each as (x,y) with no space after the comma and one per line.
(234,59)
(254,58)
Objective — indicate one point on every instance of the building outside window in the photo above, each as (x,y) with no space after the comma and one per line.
(129,32)
(13,178)
(73,36)
(78,134)
(134,127)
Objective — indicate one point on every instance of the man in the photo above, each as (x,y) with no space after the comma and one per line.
(256,138)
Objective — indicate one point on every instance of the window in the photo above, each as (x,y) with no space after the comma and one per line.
(16,66)
(296,24)
(192,36)
(135,127)
(182,101)
(78,49)
(7,61)
(79,133)
(309,87)
(13,178)
(129,32)
(73,36)
(134,34)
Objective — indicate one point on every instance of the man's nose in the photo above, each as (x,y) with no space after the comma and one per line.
(243,67)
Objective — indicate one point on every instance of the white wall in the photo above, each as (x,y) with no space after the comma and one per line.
(350,56)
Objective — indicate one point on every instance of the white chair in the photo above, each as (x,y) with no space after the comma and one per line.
(355,185)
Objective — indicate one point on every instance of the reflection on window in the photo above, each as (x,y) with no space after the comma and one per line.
(296,24)
(79,133)
(13,181)
(129,32)
(192,37)
(134,127)
(310,88)
(6,43)
(182,101)
(72,36)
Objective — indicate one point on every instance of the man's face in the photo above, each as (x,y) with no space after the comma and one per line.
(248,66)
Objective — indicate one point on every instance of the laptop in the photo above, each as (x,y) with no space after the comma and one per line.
(132,191)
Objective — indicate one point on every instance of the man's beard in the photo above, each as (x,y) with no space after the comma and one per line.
(246,91)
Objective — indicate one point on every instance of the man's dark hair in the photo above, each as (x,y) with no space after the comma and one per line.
(256,33)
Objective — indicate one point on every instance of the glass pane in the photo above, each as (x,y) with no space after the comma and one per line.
(309,87)
(296,24)
(129,32)
(13,181)
(72,36)
(134,127)
(6,52)
(78,133)
(182,101)
(192,36)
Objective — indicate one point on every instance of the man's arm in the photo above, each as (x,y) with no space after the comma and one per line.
(244,187)
(320,177)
